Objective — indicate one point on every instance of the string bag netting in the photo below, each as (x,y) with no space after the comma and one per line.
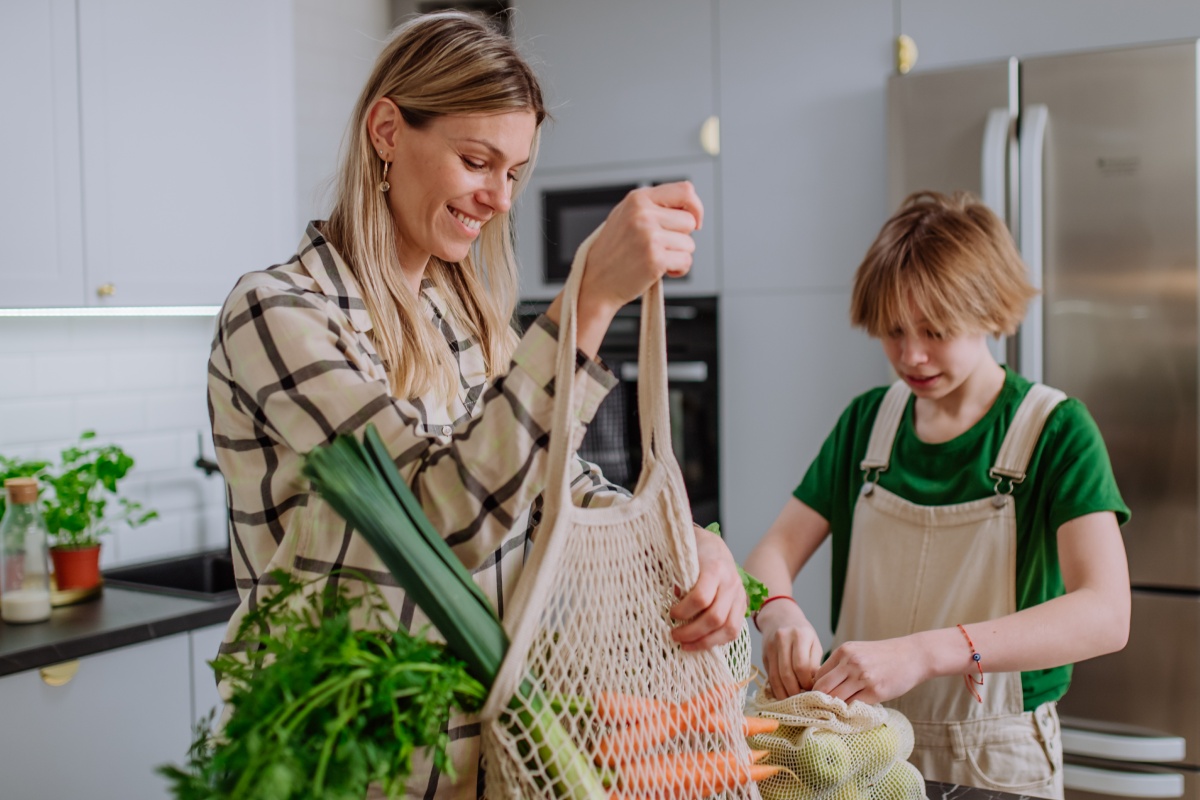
(836,751)
(594,699)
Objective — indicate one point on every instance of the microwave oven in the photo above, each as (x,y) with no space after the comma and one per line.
(560,208)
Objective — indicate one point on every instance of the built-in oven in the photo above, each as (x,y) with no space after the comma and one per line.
(613,441)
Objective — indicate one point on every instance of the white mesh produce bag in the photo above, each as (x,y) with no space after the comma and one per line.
(836,751)
(594,698)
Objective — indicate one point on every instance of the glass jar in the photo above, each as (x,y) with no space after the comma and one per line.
(24,555)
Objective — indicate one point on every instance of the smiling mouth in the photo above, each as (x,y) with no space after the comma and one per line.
(470,222)
(921,378)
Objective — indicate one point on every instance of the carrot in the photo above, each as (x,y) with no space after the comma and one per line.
(626,709)
(712,698)
(756,725)
(630,741)
(689,776)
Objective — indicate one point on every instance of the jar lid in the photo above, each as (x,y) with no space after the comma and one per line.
(22,490)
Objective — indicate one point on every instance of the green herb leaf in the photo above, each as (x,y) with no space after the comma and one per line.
(321,707)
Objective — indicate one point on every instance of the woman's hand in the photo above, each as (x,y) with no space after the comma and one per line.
(791,648)
(873,671)
(716,606)
(646,236)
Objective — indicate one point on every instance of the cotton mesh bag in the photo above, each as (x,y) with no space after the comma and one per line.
(832,750)
(594,699)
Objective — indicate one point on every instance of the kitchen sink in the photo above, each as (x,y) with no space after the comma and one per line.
(207,575)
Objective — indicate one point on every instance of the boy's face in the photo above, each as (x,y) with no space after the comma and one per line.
(933,364)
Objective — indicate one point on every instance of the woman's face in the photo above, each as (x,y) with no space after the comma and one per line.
(451,177)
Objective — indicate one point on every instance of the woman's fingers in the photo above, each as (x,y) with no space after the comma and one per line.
(679,195)
(646,236)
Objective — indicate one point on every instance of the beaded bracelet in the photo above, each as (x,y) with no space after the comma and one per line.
(754,616)
(971,680)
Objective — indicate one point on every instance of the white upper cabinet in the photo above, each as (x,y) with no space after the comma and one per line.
(40,214)
(623,84)
(951,32)
(188,140)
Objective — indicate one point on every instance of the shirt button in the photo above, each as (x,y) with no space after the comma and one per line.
(447,430)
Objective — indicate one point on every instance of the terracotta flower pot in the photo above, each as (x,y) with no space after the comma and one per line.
(76,567)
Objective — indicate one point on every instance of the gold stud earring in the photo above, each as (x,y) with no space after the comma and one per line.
(383,184)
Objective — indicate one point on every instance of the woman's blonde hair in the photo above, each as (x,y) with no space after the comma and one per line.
(434,65)
(951,258)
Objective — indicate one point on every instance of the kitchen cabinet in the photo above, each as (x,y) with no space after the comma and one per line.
(151,157)
(803,155)
(204,644)
(40,217)
(102,734)
(188,147)
(624,85)
(949,32)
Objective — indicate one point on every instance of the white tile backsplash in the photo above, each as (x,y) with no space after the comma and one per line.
(139,382)
(16,376)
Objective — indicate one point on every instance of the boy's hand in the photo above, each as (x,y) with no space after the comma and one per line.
(791,649)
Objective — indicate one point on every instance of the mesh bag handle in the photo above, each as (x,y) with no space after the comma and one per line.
(594,698)
(530,597)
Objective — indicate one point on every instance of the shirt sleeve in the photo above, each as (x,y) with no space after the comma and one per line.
(1080,476)
(304,375)
(832,481)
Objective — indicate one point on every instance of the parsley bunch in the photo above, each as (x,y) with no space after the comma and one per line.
(322,705)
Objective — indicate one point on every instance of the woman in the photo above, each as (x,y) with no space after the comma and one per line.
(974,516)
(397,312)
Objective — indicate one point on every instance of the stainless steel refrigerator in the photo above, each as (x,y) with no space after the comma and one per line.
(1091,158)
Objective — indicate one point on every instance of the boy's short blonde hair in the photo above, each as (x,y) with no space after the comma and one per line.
(953,258)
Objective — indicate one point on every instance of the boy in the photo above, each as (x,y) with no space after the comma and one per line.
(974,515)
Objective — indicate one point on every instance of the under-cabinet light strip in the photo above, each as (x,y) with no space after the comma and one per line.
(115,311)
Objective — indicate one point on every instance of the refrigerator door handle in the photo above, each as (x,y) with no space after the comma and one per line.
(1122,784)
(993,160)
(1034,120)
(1121,747)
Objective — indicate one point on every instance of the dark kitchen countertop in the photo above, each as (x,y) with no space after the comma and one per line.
(119,617)
(949,791)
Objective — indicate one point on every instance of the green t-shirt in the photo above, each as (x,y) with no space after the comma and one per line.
(1069,475)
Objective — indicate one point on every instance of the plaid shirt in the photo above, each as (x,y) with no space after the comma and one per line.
(293,364)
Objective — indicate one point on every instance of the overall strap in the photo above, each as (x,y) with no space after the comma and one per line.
(887,422)
(1017,447)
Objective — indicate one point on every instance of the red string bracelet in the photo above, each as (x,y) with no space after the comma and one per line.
(772,598)
(971,680)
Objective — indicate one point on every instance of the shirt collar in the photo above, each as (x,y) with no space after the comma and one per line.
(334,276)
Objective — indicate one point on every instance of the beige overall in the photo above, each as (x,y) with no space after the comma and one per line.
(915,568)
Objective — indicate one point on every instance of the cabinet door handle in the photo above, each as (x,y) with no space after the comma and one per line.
(710,136)
(106,290)
(59,674)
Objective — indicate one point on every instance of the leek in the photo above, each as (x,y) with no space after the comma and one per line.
(361,483)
